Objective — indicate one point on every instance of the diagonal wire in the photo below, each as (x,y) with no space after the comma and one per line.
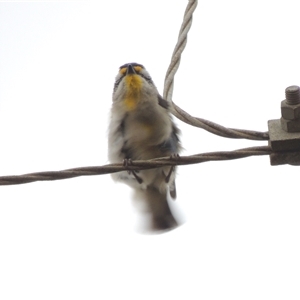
(216,128)
(179,113)
(169,84)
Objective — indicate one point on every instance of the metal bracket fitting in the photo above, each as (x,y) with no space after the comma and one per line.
(284,134)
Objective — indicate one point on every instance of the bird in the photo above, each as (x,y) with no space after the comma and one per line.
(141,128)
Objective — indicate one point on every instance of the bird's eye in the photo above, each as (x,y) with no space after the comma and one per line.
(138,69)
(123,71)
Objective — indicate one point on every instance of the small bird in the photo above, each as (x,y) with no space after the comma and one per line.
(141,128)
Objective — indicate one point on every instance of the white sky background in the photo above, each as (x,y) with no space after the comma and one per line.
(75,239)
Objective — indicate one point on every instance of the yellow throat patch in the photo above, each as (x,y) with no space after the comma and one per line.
(134,85)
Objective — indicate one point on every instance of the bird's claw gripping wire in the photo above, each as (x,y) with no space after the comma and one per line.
(128,162)
(172,156)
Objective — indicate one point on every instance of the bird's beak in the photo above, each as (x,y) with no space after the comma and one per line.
(130,70)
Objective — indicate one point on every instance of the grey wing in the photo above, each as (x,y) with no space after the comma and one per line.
(170,147)
(172,144)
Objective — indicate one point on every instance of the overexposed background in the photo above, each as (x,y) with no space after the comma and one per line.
(75,239)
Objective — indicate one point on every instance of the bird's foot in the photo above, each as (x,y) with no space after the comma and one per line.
(174,156)
(128,162)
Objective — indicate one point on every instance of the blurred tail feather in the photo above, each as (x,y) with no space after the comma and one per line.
(155,209)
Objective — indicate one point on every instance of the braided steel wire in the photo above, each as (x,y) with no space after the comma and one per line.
(169,84)
(135,165)
(179,113)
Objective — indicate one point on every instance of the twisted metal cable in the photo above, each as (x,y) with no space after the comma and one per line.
(218,129)
(181,43)
(136,165)
(169,84)
(179,113)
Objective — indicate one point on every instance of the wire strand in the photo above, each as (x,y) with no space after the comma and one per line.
(179,113)
(216,128)
(169,84)
(179,47)
(135,165)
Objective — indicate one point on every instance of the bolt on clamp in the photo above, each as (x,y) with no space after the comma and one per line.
(284,134)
